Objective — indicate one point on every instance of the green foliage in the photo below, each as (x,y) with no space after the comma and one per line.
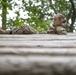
(11,24)
(40,12)
(14,24)
(37,19)
(6,5)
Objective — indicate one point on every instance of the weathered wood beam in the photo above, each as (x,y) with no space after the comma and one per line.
(38,51)
(38,39)
(37,65)
(37,35)
(40,54)
(38,44)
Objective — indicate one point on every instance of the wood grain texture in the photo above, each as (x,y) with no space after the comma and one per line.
(38,54)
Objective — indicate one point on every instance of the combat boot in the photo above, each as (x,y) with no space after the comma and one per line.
(4,31)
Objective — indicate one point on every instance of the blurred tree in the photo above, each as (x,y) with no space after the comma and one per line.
(4,12)
(8,23)
(40,13)
(73,15)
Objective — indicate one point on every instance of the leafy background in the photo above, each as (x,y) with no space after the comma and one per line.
(40,13)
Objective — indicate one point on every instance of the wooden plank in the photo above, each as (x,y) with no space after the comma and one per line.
(37,35)
(38,39)
(41,44)
(38,51)
(37,65)
(38,54)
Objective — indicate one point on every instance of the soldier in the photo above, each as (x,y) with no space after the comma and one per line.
(59,26)
(26,29)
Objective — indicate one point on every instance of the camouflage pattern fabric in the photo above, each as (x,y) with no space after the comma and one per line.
(51,30)
(57,30)
(26,29)
(61,30)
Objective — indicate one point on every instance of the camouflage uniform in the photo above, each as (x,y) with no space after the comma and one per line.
(4,31)
(26,29)
(61,29)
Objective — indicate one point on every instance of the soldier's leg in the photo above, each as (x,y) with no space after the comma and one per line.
(61,30)
(17,31)
(4,31)
(26,29)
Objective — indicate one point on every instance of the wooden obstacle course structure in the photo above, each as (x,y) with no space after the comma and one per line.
(38,54)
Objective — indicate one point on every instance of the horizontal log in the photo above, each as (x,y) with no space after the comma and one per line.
(38,35)
(38,51)
(37,65)
(41,54)
(38,44)
(38,39)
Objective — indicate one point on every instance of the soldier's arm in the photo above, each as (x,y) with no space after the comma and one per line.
(51,30)
(61,30)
